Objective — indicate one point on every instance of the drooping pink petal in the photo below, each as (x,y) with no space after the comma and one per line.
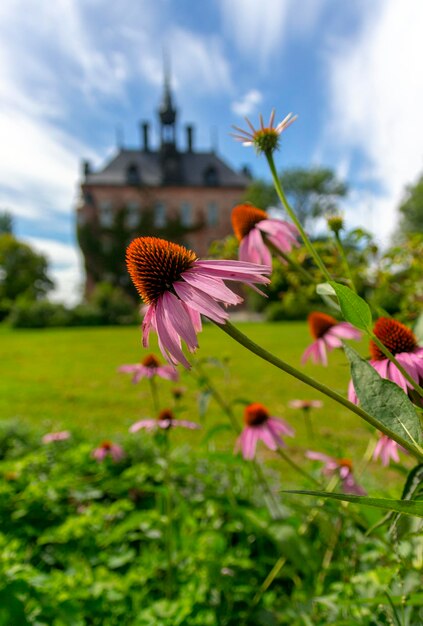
(147,424)
(318,456)
(181,321)
(349,485)
(352,396)
(186,424)
(169,338)
(168,372)
(147,324)
(279,425)
(214,287)
(269,437)
(322,354)
(344,330)
(200,301)
(243,249)
(259,252)
(235,270)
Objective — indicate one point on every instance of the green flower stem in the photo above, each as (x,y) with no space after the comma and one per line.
(291,262)
(169,516)
(154,395)
(391,357)
(294,218)
(296,467)
(250,345)
(309,424)
(234,423)
(347,267)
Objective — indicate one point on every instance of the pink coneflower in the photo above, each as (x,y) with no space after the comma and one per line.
(165,420)
(252,227)
(386,449)
(402,343)
(342,467)
(328,334)
(306,405)
(265,138)
(149,368)
(260,425)
(59,436)
(108,448)
(178,288)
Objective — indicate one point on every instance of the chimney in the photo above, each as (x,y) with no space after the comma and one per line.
(145,136)
(247,172)
(86,168)
(190,137)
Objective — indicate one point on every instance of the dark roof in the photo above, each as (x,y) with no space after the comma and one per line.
(193,167)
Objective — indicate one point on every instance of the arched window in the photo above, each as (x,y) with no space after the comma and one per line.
(186,214)
(211,178)
(160,215)
(133,174)
(133,214)
(212,214)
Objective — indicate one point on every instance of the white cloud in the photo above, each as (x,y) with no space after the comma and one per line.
(258,29)
(65,267)
(248,103)
(377,99)
(199,62)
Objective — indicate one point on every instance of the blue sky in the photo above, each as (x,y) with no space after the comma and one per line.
(73,70)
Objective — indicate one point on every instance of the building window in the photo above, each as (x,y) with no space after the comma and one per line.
(212,214)
(133,214)
(211,178)
(160,215)
(186,214)
(133,174)
(106,213)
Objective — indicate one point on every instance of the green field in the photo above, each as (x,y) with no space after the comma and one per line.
(68,378)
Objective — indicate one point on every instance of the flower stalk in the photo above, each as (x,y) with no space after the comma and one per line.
(250,345)
(313,253)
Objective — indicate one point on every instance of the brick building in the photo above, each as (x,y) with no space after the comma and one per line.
(169,191)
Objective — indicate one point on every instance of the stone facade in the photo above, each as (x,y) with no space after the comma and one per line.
(181,195)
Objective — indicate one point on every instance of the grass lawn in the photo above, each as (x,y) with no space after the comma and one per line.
(67,378)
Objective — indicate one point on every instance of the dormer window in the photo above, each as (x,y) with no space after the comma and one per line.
(211,178)
(133,174)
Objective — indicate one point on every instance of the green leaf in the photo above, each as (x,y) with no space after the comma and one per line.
(355,310)
(384,400)
(408,507)
(413,490)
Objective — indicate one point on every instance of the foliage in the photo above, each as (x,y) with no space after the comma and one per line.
(108,306)
(411,209)
(23,272)
(85,543)
(6,223)
(399,279)
(38,314)
(312,192)
(261,194)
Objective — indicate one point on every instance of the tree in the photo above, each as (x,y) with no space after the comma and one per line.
(412,209)
(23,272)
(261,194)
(6,223)
(312,192)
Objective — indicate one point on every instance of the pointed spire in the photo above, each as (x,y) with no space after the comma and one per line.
(167,111)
